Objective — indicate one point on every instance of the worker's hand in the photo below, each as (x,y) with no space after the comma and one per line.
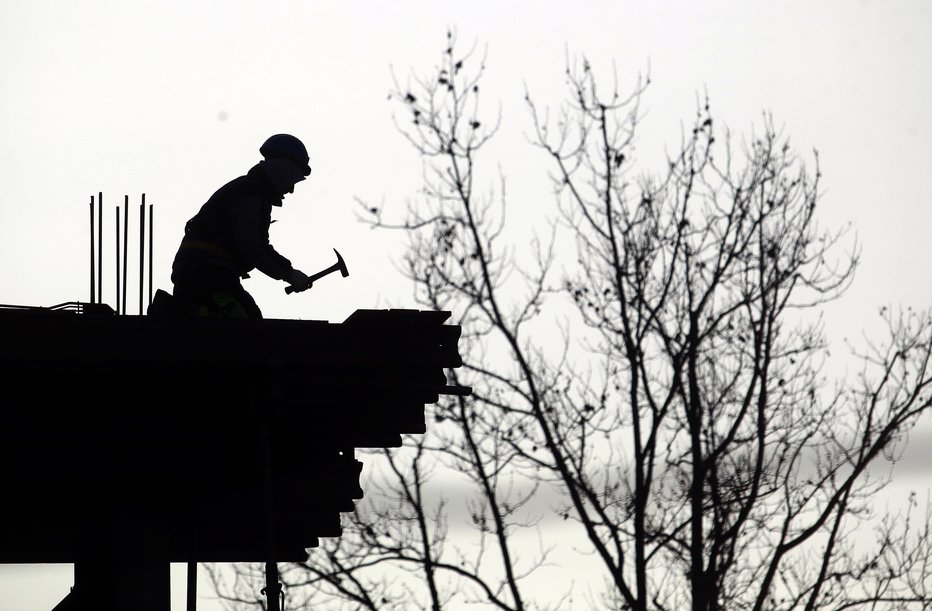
(298,280)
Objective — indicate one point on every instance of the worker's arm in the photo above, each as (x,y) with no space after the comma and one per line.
(250,219)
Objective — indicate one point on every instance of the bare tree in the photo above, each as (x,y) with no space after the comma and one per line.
(685,420)
(738,466)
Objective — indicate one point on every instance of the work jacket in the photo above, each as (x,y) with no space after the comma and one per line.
(231,230)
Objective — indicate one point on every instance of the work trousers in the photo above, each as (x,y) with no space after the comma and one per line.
(211,291)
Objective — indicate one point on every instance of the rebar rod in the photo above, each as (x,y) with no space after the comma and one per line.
(100,248)
(93,285)
(125,245)
(150,254)
(117,260)
(142,248)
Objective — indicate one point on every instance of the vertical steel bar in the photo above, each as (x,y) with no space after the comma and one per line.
(100,248)
(125,246)
(117,260)
(93,284)
(142,248)
(150,254)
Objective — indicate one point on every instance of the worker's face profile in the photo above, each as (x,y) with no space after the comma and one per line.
(286,173)
(297,171)
(297,175)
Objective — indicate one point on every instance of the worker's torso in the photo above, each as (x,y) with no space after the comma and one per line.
(210,235)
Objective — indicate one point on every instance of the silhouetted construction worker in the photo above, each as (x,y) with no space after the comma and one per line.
(229,236)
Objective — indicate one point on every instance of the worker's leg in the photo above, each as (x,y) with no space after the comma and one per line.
(231,303)
(213,292)
(247,302)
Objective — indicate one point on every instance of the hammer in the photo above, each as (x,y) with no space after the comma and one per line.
(339,266)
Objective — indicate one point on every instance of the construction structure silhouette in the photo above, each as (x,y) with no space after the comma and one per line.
(129,442)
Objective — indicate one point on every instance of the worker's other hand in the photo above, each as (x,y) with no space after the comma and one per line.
(298,280)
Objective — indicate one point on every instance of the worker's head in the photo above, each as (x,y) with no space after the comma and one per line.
(286,160)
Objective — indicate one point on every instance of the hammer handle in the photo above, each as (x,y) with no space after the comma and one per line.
(311,279)
(290,289)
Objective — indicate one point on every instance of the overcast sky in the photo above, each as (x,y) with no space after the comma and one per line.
(172,99)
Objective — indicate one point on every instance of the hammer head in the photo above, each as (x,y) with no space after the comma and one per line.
(341,265)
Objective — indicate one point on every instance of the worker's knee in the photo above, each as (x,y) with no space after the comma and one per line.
(226,304)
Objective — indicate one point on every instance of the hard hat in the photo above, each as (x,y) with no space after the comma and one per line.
(286,145)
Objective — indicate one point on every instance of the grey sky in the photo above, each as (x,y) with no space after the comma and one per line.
(173,98)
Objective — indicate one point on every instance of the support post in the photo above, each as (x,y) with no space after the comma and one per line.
(272,588)
(192,586)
